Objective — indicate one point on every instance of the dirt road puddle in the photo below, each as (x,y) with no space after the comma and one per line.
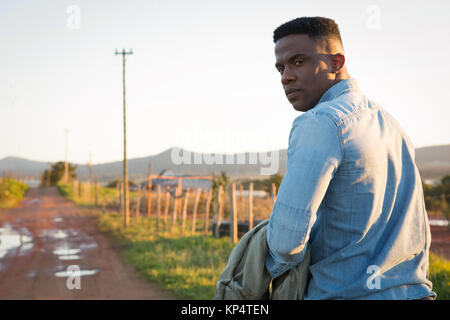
(71,246)
(80,273)
(69,257)
(15,240)
(68,244)
(65,251)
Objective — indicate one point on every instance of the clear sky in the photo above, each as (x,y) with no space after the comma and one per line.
(202,76)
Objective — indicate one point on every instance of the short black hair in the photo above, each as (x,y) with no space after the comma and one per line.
(312,26)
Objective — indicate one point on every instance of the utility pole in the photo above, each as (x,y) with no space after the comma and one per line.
(125,161)
(66,164)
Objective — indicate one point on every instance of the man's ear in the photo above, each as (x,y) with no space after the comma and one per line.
(337,62)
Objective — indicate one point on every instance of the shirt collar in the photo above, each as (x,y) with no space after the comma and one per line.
(338,89)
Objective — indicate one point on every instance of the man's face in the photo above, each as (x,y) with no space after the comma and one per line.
(303,63)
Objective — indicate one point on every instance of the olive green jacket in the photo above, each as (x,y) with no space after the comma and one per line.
(245,277)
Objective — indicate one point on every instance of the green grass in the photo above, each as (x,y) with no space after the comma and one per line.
(188,266)
(11,192)
(66,191)
(440,276)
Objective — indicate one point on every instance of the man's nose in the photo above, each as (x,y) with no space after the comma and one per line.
(287,76)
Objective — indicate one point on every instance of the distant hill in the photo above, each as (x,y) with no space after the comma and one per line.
(161,164)
(433,163)
(24,167)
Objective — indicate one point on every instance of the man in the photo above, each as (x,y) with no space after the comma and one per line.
(352,191)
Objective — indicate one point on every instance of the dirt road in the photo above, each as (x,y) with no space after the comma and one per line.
(51,250)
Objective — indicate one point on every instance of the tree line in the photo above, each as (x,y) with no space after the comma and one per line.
(437,197)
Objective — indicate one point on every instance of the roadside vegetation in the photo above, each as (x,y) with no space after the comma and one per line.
(437,197)
(440,276)
(11,192)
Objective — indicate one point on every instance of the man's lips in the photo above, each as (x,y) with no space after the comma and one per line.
(290,93)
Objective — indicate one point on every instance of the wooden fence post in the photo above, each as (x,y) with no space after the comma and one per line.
(175,204)
(241,193)
(208,204)
(274,193)
(174,212)
(180,192)
(96,193)
(158,205)
(138,201)
(194,213)
(87,192)
(184,214)
(233,205)
(250,206)
(220,213)
(149,191)
(166,208)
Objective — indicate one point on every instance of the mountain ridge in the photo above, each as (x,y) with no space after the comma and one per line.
(433,163)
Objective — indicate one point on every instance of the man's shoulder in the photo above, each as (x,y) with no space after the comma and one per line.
(343,107)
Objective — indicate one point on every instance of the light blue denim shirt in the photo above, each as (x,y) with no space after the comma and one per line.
(353,193)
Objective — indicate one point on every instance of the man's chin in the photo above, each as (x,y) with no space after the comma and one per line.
(301,106)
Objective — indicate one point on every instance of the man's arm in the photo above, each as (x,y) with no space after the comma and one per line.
(314,154)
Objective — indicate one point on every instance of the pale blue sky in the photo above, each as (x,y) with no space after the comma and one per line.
(202,76)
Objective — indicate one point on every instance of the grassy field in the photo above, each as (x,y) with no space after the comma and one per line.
(11,192)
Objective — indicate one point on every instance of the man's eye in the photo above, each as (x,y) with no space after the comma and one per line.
(298,62)
(280,70)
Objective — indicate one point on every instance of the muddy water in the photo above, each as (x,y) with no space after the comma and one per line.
(65,245)
(69,245)
(14,241)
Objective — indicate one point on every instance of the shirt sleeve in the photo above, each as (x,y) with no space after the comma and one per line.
(314,154)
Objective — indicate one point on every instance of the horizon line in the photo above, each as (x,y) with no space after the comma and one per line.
(173,147)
